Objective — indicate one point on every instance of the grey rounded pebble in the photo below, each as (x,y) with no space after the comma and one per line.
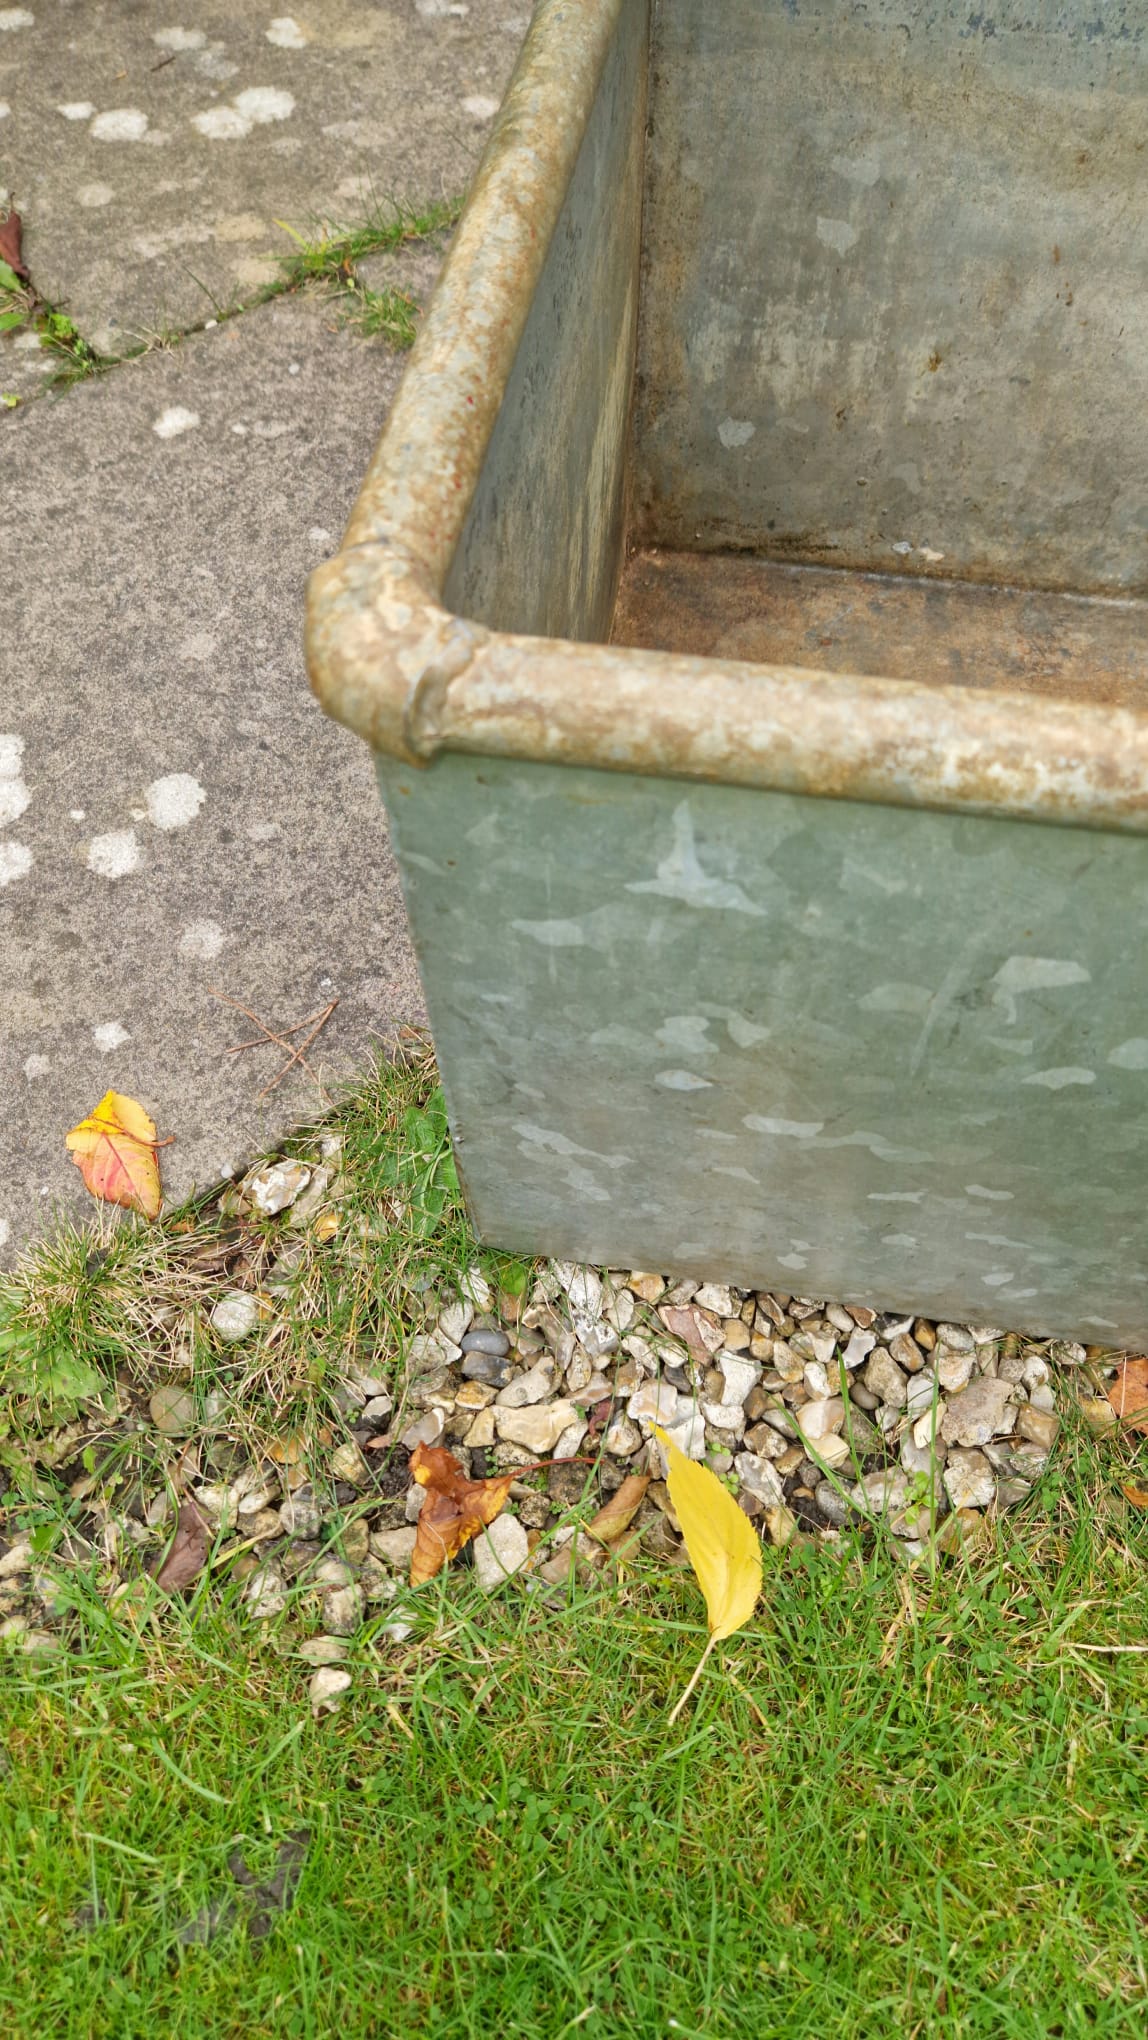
(493,1368)
(172,1410)
(833,1506)
(492,1342)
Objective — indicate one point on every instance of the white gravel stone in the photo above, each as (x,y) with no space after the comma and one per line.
(273,1189)
(265,1593)
(740,1377)
(958,1338)
(820,1419)
(301,1517)
(885,1379)
(953,1370)
(622,1438)
(716,1296)
(816,1380)
(981,1411)
(860,1346)
(539,1426)
(969,1479)
(455,1320)
(689,1435)
(656,1402)
(532,1387)
(476,1289)
(394,1547)
(725,1418)
(921,1392)
(347,1463)
(570,1443)
(759,1477)
(327,1688)
(343,1610)
(235,1315)
(499,1552)
(833,1448)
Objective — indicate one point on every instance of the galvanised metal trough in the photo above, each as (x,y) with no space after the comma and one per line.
(746,606)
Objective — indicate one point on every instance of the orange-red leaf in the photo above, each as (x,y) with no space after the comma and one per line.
(1128,1394)
(114,1149)
(455,1510)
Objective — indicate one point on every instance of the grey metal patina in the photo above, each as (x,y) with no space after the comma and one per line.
(829,979)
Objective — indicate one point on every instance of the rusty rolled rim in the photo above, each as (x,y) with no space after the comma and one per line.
(389,661)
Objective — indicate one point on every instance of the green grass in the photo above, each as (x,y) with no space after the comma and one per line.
(903,1802)
(944,1834)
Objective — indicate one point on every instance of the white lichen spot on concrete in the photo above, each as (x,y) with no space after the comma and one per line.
(202,941)
(998,1278)
(35,1067)
(15,862)
(1131,1055)
(686,1032)
(736,431)
(263,832)
(318,535)
(178,39)
(16,17)
(480,106)
(76,109)
(92,195)
(77,814)
(120,124)
(996,1196)
(1059,1080)
(14,794)
(173,421)
(174,800)
(5,109)
(437,10)
(262,104)
(682,1080)
(109,1035)
(895,1196)
(898,1239)
(221,124)
(115,855)
(836,234)
(794,1261)
(864,169)
(285,33)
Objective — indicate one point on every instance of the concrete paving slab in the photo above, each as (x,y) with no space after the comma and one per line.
(176,813)
(151,150)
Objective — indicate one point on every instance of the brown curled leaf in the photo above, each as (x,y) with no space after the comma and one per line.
(187,1554)
(455,1510)
(1128,1393)
(616,1515)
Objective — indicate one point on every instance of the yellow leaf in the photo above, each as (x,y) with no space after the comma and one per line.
(723,1547)
(114,1149)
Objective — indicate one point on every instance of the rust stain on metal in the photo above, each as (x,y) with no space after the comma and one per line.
(1045,721)
(737,605)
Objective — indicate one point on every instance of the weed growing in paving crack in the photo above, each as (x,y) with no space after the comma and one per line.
(324,258)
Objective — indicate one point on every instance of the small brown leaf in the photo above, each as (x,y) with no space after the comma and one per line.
(11,238)
(455,1510)
(1128,1394)
(618,1513)
(1138,1496)
(114,1149)
(188,1553)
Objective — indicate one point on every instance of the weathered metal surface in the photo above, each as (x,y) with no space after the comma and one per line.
(422,480)
(414,681)
(839,1049)
(735,961)
(735,605)
(895,285)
